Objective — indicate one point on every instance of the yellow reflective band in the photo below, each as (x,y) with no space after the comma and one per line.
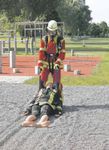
(40,61)
(51,98)
(59,108)
(55,39)
(45,66)
(45,63)
(59,60)
(42,49)
(61,66)
(53,106)
(63,50)
(43,103)
(62,98)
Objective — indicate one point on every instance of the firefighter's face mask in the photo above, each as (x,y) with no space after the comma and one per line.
(52,33)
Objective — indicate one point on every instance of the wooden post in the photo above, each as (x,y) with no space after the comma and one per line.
(67,67)
(72,52)
(12,59)
(31,45)
(0,56)
(84,43)
(77,72)
(15,43)
(9,41)
(26,45)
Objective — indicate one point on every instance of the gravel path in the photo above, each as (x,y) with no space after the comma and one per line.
(83,126)
(14,79)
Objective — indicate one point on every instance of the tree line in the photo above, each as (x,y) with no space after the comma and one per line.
(77,17)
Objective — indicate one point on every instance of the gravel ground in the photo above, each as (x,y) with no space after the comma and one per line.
(14,79)
(84,124)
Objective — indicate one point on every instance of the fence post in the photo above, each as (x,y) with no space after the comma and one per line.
(0,56)
(31,45)
(84,43)
(72,52)
(26,45)
(9,43)
(2,46)
(12,59)
(15,43)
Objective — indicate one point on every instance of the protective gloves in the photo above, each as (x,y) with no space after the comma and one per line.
(56,66)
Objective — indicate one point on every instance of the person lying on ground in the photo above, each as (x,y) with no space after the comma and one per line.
(28,109)
(48,102)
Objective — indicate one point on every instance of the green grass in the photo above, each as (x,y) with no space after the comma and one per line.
(34,80)
(91,44)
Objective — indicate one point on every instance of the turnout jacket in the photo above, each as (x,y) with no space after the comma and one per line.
(48,96)
(51,47)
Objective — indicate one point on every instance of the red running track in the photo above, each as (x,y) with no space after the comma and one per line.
(26,65)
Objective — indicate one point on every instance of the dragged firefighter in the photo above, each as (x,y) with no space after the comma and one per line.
(48,102)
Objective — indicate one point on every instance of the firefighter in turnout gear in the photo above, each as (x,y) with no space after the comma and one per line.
(47,103)
(51,56)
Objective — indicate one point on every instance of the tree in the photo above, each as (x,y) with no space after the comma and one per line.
(11,8)
(84,18)
(104,28)
(75,16)
(30,9)
(40,8)
(4,23)
(95,30)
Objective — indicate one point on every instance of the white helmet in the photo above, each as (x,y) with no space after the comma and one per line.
(52,25)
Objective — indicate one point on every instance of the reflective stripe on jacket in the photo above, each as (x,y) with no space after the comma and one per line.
(55,47)
(51,98)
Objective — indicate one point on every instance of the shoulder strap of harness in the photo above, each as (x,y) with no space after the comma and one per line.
(46,40)
(58,42)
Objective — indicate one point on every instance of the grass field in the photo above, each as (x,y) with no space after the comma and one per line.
(90,44)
